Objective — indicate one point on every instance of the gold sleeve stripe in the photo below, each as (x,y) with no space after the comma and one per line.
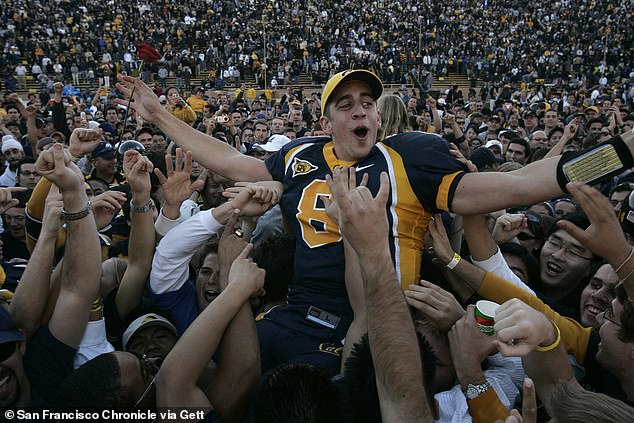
(442,198)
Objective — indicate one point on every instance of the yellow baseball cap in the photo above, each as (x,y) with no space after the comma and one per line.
(351,75)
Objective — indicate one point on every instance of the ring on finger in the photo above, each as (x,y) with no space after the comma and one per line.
(238,232)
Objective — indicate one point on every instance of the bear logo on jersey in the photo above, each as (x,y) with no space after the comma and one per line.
(302,167)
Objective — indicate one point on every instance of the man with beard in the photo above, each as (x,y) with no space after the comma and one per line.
(13,153)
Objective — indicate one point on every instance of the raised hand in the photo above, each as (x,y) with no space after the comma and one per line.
(106,205)
(144,101)
(229,248)
(362,217)
(82,141)
(254,199)
(604,237)
(52,219)
(246,274)
(137,169)
(442,247)
(177,186)
(508,226)
(53,164)
(6,198)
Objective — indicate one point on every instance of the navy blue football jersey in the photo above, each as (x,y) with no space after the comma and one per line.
(423,177)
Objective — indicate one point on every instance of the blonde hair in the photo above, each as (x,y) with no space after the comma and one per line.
(394,118)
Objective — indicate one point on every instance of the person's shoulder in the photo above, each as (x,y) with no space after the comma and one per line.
(304,141)
(416,139)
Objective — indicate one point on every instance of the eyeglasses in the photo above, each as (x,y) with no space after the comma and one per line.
(569,250)
(7,349)
(608,314)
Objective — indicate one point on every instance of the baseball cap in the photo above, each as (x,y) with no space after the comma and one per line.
(593,108)
(275,143)
(483,157)
(8,329)
(143,322)
(104,150)
(529,112)
(296,103)
(491,143)
(351,75)
(106,127)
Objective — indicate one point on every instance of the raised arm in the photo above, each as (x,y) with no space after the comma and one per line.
(176,381)
(141,249)
(208,151)
(238,364)
(390,327)
(32,292)
(82,255)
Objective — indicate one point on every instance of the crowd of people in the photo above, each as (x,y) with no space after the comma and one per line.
(578,43)
(304,261)
(319,256)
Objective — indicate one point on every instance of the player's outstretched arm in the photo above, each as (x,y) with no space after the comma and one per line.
(484,192)
(210,152)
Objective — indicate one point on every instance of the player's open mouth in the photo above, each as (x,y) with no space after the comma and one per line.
(361,131)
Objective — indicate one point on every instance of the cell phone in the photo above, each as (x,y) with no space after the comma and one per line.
(222,119)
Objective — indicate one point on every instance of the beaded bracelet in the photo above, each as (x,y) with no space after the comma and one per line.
(77,215)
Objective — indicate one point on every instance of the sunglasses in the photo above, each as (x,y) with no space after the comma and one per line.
(522,236)
(7,349)
(531,217)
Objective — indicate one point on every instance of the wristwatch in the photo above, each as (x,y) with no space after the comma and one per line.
(474,391)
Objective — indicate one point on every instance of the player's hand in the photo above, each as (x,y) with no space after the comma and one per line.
(144,101)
